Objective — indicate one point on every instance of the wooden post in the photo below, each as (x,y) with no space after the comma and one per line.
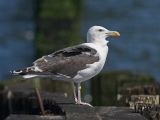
(111,88)
(58,26)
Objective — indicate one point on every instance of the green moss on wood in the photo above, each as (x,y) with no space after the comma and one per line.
(107,85)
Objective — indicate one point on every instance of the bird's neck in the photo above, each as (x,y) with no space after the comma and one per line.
(100,42)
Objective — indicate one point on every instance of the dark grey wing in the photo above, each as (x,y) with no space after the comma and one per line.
(67,61)
(64,63)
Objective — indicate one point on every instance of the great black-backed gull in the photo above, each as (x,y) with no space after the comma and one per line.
(76,64)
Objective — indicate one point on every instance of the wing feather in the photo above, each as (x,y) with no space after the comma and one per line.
(65,62)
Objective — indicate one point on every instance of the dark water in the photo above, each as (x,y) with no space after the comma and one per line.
(16,35)
(138,21)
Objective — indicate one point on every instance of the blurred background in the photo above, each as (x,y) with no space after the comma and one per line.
(32,28)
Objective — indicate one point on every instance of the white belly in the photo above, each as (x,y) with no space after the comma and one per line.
(95,68)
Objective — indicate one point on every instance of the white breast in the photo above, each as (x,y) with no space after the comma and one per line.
(95,68)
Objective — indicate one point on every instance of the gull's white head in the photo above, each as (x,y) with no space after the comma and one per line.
(98,34)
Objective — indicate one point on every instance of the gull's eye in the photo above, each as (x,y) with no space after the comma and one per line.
(100,30)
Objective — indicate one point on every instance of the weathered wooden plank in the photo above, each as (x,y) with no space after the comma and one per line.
(34,117)
(24,106)
(118,113)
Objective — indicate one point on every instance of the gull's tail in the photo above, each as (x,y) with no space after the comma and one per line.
(28,72)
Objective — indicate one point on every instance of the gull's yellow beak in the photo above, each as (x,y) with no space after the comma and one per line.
(113,33)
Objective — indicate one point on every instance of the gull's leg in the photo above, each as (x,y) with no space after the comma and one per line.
(74,92)
(79,92)
(79,96)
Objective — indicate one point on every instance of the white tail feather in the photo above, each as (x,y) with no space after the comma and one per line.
(29,76)
(16,72)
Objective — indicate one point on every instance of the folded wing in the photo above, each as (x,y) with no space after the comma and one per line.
(64,63)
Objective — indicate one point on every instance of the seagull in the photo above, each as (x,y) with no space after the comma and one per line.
(76,63)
